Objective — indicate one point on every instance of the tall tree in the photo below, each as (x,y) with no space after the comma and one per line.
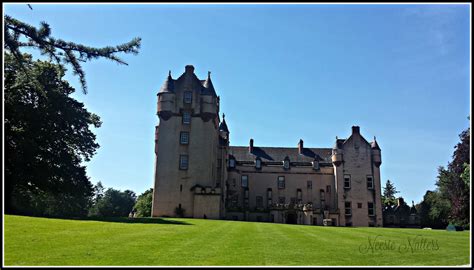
(389,191)
(114,203)
(143,204)
(434,210)
(47,138)
(18,34)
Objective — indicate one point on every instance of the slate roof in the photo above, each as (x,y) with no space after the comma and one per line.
(208,87)
(278,154)
(339,143)
(168,86)
(223,126)
(375,145)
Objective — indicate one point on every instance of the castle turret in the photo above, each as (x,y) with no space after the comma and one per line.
(337,153)
(166,99)
(224,130)
(376,156)
(209,103)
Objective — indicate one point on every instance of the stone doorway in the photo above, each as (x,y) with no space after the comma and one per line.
(291,218)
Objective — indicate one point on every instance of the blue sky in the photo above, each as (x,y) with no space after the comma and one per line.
(283,72)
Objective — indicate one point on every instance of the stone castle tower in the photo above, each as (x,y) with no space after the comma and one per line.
(199,174)
(187,174)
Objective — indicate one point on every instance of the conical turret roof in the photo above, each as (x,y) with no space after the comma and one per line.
(208,87)
(168,86)
(375,145)
(223,125)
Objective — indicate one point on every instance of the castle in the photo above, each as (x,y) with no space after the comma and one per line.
(199,174)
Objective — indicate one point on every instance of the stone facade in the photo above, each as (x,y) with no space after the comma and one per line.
(198,174)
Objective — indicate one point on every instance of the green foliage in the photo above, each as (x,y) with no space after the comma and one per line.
(450,203)
(466,175)
(114,203)
(204,242)
(18,34)
(434,210)
(388,197)
(47,138)
(144,203)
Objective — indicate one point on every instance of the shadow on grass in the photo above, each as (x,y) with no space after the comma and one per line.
(143,220)
(136,220)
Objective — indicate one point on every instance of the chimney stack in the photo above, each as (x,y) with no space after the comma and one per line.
(251,146)
(300,147)
(189,69)
(400,201)
(355,130)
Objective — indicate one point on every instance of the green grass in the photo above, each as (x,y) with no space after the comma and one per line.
(43,241)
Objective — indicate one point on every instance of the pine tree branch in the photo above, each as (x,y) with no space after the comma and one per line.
(69,52)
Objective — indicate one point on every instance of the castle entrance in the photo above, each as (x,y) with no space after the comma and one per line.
(291,218)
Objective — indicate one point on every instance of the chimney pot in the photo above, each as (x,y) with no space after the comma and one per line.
(300,147)
(251,146)
(355,130)
(189,69)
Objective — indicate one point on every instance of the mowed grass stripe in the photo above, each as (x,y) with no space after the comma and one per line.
(42,241)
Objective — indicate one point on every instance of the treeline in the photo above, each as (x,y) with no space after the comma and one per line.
(116,203)
(449,203)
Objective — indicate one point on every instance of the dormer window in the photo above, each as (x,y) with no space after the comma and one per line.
(188,97)
(286,163)
(315,165)
(258,163)
(232,162)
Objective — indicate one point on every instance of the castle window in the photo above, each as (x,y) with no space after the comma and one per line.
(309,184)
(347,181)
(348,208)
(231,162)
(180,188)
(359,205)
(259,202)
(322,194)
(186,118)
(258,163)
(281,182)
(370,182)
(328,189)
(269,197)
(183,162)
(188,97)
(246,198)
(245,181)
(299,195)
(184,137)
(370,205)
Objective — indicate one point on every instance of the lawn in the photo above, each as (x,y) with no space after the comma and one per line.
(30,241)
